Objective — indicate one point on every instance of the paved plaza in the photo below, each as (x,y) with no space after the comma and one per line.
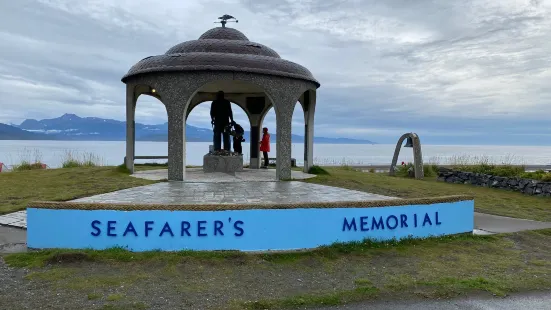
(216,192)
(232,193)
(194,175)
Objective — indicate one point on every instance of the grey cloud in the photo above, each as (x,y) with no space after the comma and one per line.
(457,68)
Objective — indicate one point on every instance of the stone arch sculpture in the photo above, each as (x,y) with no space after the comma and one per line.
(417,155)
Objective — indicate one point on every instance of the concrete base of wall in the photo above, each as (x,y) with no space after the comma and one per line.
(227,164)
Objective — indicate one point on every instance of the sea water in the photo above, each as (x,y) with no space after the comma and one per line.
(53,153)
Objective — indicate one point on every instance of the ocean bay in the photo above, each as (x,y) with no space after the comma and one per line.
(52,153)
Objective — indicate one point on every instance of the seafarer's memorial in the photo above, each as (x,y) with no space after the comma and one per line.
(185,215)
(243,227)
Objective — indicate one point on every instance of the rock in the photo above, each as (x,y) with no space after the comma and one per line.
(512,182)
(529,189)
(522,183)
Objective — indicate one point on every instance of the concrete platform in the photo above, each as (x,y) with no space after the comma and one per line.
(13,240)
(232,193)
(194,175)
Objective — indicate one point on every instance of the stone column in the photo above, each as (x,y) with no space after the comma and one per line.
(176,143)
(284,117)
(309,110)
(130,127)
(254,145)
(256,110)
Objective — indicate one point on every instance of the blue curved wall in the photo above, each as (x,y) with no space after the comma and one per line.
(245,230)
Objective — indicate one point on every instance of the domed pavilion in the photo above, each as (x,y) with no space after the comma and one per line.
(252,75)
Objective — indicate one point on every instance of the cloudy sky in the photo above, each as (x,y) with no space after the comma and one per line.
(465,72)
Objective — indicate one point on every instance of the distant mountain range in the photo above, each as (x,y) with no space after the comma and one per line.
(73,127)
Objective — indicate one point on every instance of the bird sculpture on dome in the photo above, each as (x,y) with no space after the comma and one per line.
(226,18)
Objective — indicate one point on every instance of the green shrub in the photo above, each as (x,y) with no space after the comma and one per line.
(537,175)
(70,164)
(508,170)
(402,170)
(122,169)
(482,164)
(317,170)
(25,165)
(429,170)
(347,167)
(501,171)
(29,160)
(73,160)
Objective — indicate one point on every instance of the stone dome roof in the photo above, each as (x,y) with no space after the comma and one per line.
(221,49)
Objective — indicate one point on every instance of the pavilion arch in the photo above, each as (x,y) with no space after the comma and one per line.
(224,59)
(307,102)
(250,97)
(197,103)
(238,92)
(133,92)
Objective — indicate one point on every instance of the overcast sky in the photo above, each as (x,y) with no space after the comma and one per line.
(465,72)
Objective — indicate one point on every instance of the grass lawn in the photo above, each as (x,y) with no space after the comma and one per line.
(19,188)
(487,200)
(431,268)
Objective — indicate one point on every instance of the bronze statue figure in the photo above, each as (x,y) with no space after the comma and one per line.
(221,116)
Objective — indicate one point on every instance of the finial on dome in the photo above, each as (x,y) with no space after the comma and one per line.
(224,19)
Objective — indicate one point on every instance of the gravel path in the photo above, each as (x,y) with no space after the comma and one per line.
(531,301)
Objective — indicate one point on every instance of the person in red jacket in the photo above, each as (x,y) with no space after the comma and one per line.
(265,145)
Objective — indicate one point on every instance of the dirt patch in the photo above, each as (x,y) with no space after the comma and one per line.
(64,258)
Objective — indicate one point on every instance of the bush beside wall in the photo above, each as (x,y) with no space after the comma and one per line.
(526,186)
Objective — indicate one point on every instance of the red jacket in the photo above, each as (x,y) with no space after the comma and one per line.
(265,143)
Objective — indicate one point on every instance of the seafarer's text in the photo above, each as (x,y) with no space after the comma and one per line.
(166,229)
